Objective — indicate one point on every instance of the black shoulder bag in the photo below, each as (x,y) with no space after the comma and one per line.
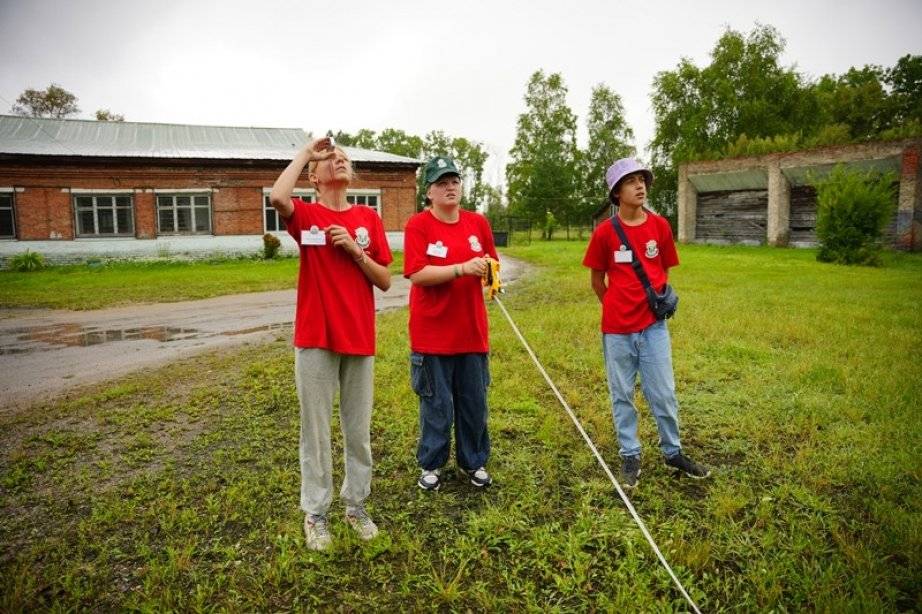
(662,303)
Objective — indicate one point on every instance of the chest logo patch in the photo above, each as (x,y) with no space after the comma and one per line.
(362,239)
(475,243)
(652,249)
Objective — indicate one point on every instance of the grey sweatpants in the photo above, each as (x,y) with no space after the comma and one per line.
(318,375)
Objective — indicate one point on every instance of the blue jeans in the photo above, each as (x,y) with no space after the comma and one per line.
(649,353)
(452,390)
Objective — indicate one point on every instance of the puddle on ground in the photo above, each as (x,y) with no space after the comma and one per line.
(74,335)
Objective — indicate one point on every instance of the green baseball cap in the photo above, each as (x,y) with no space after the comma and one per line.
(437,167)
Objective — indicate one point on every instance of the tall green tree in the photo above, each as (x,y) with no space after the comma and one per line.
(857,99)
(399,142)
(543,173)
(905,82)
(54,102)
(744,90)
(493,206)
(610,138)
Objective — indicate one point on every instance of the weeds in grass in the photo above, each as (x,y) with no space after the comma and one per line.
(154,493)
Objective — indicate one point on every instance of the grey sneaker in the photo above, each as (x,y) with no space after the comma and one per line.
(630,471)
(316,532)
(359,520)
(479,477)
(682,463)
(430,480)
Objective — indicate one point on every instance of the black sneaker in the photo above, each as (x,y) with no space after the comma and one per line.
(479,477)
(630,471)
(682,463)
(430,480)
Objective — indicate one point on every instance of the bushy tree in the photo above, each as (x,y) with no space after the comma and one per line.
(493,206)
(610,138)
(470,156)
(744,90)
(54,102)
(857,99)
(105,115)
(399,142)
(543,173)
(905,81)
(852,210)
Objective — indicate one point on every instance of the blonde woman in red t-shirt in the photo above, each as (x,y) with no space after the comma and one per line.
(344,253)
(445,250)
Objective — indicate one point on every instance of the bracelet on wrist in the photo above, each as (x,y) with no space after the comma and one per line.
(361,259)
(457,271)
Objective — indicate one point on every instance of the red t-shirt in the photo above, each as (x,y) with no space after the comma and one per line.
(448,318)
(624,307)
(336,303)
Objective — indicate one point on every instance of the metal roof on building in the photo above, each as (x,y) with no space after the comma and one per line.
(809,175)
(744,179)
(78,137)
(800,174)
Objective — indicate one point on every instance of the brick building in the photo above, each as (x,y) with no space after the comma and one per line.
(72,189)
(770,199)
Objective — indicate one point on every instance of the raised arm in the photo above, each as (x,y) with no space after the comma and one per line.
(280,197)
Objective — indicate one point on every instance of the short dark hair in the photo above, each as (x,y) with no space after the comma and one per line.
(613,195)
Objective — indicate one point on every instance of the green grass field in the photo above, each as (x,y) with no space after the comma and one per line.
(799,383)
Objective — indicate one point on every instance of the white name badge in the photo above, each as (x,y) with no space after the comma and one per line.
(314,236)
(624,255)
(437,250)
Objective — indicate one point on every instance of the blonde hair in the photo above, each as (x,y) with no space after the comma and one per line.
(312,168)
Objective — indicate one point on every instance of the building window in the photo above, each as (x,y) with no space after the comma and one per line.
(272,221)
(104,215)
(183,214)
(369,198)
(7,224)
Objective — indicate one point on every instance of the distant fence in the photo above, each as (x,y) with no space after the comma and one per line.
(510,230)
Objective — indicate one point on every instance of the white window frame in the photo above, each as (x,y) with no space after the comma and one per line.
(12,194)
(355,193)
(94,195)
(191,194)
(308,195)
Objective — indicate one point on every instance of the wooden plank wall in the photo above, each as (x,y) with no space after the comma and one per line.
(733,216)
(803,215)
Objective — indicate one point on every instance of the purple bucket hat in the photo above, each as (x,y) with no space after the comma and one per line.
(623,167)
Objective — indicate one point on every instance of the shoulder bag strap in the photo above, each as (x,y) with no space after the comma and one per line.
(635,261)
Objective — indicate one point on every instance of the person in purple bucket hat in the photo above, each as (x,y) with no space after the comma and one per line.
(634,339)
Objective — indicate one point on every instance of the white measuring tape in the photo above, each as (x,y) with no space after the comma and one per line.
(627,502)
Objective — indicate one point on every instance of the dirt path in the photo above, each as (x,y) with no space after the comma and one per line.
(44,352)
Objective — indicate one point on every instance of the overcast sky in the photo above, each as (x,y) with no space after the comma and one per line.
(460,67)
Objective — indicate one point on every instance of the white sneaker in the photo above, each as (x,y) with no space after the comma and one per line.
(479,477)
(359,520)
(316,532)
(430,480)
